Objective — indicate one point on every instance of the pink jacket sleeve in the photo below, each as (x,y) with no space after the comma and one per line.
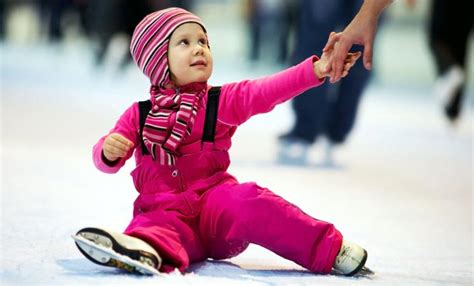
(127,126)
(239,101)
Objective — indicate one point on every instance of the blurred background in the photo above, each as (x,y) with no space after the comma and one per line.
(76,51)
(243,32)
(400,182)
(61,43)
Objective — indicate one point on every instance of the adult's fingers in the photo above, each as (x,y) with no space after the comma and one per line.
(332,40)
(368,55)
(340,53)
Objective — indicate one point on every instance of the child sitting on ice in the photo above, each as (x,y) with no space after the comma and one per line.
(189,208)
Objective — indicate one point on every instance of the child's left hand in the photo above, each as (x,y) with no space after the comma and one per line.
(322,68)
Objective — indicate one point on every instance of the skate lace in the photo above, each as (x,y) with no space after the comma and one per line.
(345,250)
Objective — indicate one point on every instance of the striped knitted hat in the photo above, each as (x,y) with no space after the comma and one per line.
(149,45)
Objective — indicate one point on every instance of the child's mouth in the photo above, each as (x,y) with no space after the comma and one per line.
(199,64)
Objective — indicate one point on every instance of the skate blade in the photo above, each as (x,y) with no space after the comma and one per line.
(107,256)
(365,271)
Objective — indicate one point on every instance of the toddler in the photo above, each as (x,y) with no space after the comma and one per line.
(189,208)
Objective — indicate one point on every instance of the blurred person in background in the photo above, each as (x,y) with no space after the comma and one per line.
(2,19)
(112,17)
(449,29)
(330,110)
(270,21)
(52,13)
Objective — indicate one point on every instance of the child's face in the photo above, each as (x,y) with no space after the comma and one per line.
(189,57)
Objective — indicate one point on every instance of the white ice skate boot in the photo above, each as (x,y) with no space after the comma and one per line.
(115,249)
(446,85)
(350,259)
(292,151)
(447,89)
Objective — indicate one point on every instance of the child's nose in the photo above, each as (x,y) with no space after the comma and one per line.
(198,50)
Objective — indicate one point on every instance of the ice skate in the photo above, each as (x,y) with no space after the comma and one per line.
(351,259)
(447,89)
(118,250)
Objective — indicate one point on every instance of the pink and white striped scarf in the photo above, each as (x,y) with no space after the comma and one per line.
(163,137)
(149,48)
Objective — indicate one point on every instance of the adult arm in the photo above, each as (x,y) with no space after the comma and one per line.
(361,30)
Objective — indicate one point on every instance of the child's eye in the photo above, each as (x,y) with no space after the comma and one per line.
(183,42)
(203,41)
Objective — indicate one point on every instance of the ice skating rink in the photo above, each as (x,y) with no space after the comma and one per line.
(402,186)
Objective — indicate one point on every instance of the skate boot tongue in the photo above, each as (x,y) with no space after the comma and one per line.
(350,259)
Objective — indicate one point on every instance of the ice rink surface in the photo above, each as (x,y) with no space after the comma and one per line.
(402,187)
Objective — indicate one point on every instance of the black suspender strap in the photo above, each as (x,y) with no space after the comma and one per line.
(210,120)
(143,108)
(211,114)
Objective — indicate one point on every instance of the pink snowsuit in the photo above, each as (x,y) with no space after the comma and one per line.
(196,210)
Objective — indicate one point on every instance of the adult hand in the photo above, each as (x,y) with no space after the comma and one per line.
(360,31)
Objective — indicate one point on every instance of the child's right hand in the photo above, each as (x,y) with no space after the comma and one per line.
(116,146)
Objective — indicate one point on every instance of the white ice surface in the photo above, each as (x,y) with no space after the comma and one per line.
(402,189)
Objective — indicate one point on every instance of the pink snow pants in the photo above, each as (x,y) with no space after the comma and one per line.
(195,224)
